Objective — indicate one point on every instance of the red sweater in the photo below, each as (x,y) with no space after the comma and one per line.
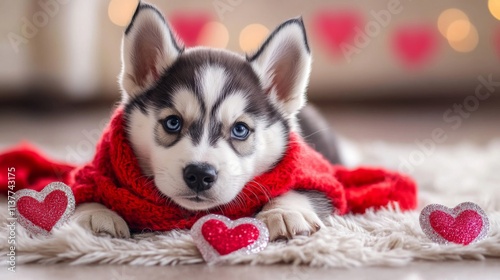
(114,179)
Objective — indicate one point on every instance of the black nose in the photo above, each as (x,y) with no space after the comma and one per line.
(200,177)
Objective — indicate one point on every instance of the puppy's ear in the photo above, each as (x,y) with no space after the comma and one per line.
(149,46)
(283,64)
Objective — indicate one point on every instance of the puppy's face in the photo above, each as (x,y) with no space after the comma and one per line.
(206,129)
(204,122)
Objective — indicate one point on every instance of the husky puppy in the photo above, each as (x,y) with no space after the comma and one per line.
(203,122)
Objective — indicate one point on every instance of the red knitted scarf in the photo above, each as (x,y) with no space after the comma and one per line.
(113,178)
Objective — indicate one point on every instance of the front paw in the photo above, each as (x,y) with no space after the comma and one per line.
(290,215)
(289,223)
(101,221)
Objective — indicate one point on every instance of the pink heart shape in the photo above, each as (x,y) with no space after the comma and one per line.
(462,230)
(227,240)
(189,26)
(46,213)
(335,28)
(40,212)
(217,236)
(464,224)
(415,45)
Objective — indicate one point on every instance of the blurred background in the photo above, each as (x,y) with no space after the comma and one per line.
(388,70)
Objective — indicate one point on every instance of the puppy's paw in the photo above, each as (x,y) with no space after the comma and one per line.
(287,224)
(101,221)
(290,215)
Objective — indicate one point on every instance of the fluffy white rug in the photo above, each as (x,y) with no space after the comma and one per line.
(448,176)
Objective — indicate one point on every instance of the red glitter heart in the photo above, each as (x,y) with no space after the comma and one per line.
(44,214)
(464,224)
(217,236)
(227,240)
(335,28)
(40,212)
(415,45)
(462,230)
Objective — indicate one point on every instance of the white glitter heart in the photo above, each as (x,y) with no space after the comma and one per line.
(40,197)
(436,237)
(210,254)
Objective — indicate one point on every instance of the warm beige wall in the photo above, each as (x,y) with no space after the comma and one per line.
(79,49)
(374,68)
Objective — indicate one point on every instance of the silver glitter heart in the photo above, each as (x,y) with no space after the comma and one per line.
(40,197)
(210,254)
(431,233)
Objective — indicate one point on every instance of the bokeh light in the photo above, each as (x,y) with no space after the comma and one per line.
(458,30)
(449,16)
(252,36)
(214,34)
(468,44)
(121,11)
(456,27)
(494,7)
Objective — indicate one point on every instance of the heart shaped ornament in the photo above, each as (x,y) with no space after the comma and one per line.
(189,26)
(465,224)
(41,212)
(217,236)
(415,45)
(337,28)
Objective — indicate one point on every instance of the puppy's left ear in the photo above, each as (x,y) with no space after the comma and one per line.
(149,47)
(283,64)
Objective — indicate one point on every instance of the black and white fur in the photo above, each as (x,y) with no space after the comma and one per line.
(214,95)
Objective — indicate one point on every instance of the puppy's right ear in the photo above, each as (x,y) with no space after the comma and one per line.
(149,46)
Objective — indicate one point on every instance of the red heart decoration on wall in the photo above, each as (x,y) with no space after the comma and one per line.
(335,28)
(189,26)
(463,224)
(217,236)
(415,45)
(40,212)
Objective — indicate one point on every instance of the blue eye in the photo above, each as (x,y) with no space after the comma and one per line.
(240,131)
(172,124)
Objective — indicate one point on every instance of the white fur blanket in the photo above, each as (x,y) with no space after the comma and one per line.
(449,176)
